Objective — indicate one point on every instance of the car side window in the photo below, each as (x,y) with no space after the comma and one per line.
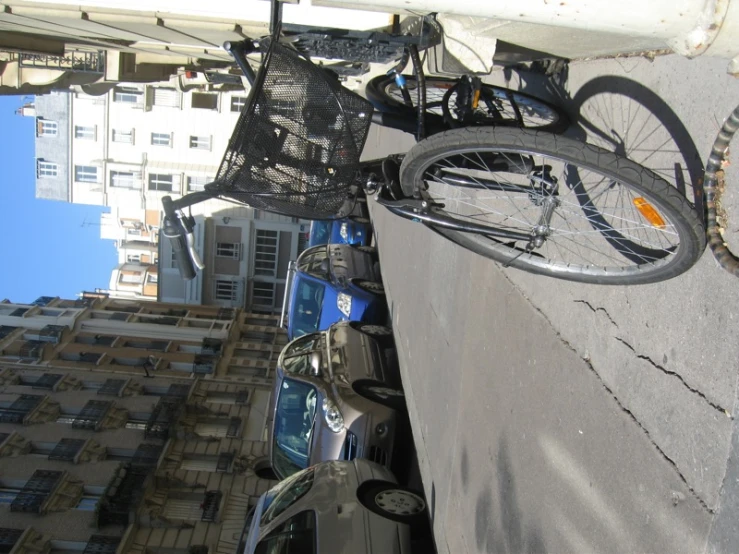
(297,535)
(287,497)
(297,365)
(304,344)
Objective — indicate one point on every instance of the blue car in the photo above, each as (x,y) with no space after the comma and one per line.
(330,283)
(350,230)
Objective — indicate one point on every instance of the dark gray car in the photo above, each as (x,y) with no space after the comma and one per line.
(336,397)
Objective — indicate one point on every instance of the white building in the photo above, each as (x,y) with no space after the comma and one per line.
(128,148)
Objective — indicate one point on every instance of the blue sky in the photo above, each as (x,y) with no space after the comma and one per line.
(48,248)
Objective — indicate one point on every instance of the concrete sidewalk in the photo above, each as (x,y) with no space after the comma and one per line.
(550,416)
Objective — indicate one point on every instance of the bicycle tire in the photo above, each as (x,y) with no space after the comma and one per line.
(383,91)
(640,261)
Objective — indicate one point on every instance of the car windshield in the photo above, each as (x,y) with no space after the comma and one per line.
(293,427)
(308,302)
(285,494)
(319,232)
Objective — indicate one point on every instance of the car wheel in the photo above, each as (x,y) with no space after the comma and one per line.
(371,286)
(380,393)
(393,502)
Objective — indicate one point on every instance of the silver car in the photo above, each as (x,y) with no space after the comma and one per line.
(336,397)
(336,507)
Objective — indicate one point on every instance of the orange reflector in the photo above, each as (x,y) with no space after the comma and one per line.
(475,99)
(649,213)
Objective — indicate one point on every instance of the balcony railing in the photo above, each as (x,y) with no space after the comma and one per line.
(20,408)
(211,347)
(122,496)
(226,313)
(163,417)
(203,365)
(76,61)
(47,381)
(211,503)
(51,333)
(35,491)
(31,350)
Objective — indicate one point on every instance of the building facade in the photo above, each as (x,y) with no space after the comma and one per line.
(135,144)
(132,426)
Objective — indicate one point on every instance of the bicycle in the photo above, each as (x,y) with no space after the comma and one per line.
(530,200)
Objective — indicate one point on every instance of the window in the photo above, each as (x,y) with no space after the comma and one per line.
(161,182)
(265,256)
(112,387)
(123,135)
(45,128)
(197,182)
(161,139)
(124,179)
(101,544)
(130,278)
(204,100)
(200,143)
(189,509)
(238,103)
(263,294)
(297,534)
(84,133)
(228,250)
(281,497)
(8,538)
(215,397)
(203,463)
(127,95)
(133,258)
(85,174)
(168,97)
(219,427)
(227,290)
(152,278)
(46,169)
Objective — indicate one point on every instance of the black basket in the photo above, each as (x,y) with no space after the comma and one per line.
(296,146)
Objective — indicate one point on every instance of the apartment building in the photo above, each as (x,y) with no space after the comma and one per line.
(131,427)
(90,47)
(128,148)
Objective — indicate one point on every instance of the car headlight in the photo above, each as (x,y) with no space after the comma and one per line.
(332,415)
(344,231)
(344,303)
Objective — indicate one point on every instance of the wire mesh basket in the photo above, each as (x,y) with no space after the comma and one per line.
(296,146)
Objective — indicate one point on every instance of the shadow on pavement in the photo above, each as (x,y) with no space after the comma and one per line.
(623,116)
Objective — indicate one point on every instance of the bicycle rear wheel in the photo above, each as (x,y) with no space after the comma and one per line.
(498,105)
(613,221)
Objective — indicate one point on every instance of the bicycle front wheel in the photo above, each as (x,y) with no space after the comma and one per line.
(497,106)
(592,216)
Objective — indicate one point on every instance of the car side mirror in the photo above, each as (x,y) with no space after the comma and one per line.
(325,265)
(315,364)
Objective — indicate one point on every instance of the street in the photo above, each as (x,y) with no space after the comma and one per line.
(556,417)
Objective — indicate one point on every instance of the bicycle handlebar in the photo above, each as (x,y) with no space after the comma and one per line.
(179,230)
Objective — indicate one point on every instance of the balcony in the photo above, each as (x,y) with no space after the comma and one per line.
(43,300)
(102,544)
(226,313)
(35,492)
(211,347)
(204,365)
(51,333)
(66,449)
(47,381)
(31,351)
(5,330)
(122,496)
(20,408)
(75,61)
(92,415)
(211,504)
(163,418)
(146,455)
(8,538)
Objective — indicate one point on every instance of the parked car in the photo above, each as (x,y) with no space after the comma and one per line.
(350,230)
(336,397)
(336,508)
(331,283)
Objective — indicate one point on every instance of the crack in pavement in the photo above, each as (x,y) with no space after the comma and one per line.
(677,376)
(628,412)
(596,310)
